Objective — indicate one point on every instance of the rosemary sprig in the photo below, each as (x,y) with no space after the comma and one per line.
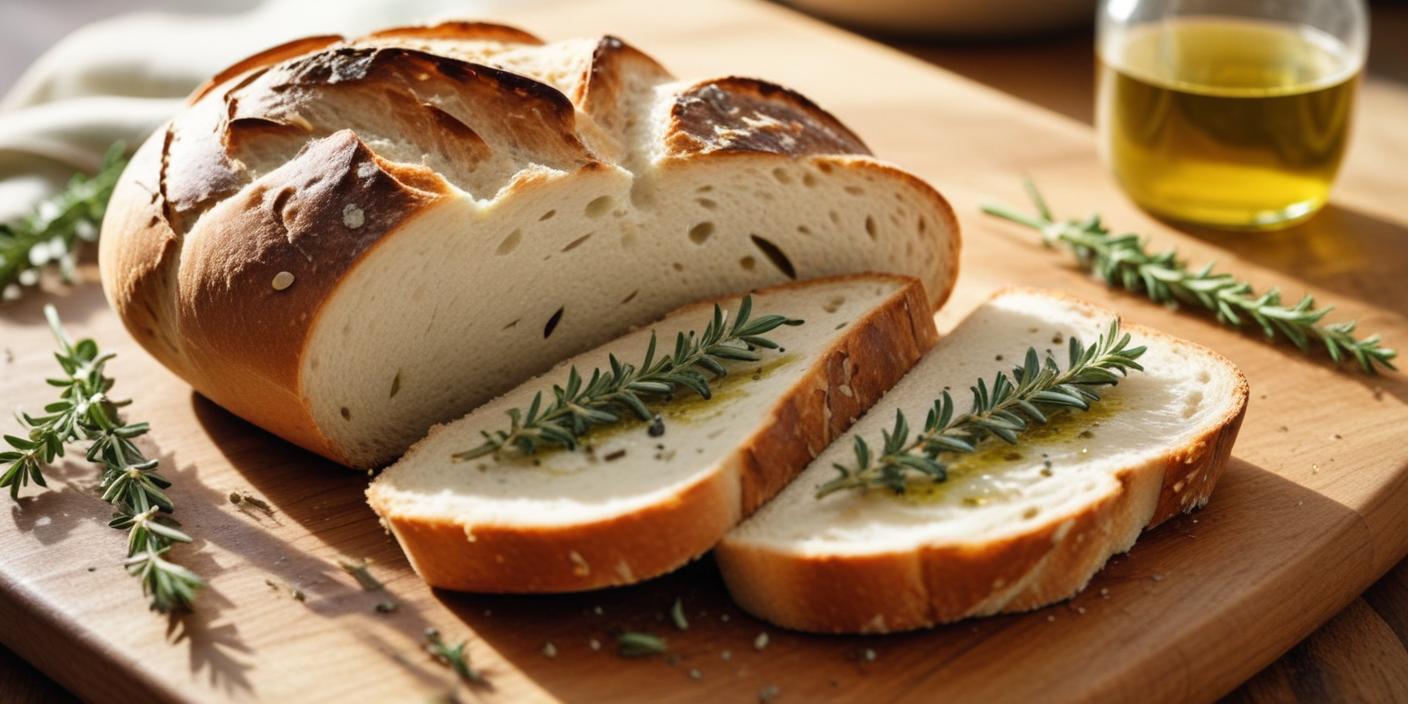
(129,479)
(51,235)
(1122,261)
(1002,410)
(625,388)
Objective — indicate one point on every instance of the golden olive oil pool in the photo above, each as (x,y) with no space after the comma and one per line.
(1230,123)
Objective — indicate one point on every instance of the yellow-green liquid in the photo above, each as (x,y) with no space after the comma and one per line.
(1229,123)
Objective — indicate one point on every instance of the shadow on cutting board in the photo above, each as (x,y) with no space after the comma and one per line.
(1183,576)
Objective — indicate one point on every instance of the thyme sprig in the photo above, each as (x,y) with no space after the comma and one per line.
(1122,261)
(129,480)
(1002,410)
(52,234)
(625,388)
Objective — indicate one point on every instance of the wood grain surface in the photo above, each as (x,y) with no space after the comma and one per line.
(1301,524)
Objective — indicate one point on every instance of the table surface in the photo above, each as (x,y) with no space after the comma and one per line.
(1361,654)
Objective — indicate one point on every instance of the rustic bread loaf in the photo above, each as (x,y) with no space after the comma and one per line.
(346,241)
(630,505)
(1008,531)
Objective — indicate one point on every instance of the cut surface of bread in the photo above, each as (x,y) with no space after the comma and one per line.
(501,201)
(629,505)
(1014,527)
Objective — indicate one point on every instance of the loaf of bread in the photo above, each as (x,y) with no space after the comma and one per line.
(631,503)
(347,241)
(1013,528)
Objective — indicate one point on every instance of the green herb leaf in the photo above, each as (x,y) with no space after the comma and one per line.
(1123,262)
(129,481)
(633,644)
(51,235)
(455,658)
(623,389)
(1003,410)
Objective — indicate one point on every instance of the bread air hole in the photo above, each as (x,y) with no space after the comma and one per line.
(870,227)
(700,233)
(748,263)
(834,304)
(552,323)
(835,217)
(809,180)
(804,230)
(781,175)
(575,243)
(598,207)
(547,216)
(855,190)
(775,255)
(509,243)
(706,203)
(346,413)
(630,297)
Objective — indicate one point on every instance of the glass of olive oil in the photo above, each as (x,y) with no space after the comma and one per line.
(1228,113)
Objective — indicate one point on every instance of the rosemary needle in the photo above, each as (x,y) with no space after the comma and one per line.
(50,236)
(1004,410)
(624,388)
(1122,261)
(129,479)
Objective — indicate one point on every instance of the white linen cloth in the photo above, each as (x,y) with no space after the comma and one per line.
(119,79)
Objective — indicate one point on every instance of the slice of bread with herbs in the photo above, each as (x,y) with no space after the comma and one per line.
(1014,527)
(636,498)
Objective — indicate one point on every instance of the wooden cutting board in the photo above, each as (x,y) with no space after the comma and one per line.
(1310,511)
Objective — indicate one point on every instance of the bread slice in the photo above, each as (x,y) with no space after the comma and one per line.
(628,505)
(1007,532)
(501,201)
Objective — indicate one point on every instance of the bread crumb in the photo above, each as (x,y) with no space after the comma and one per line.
(761,641)
(549,650)
(594,644)
(1051,618)
(580,567)
(282,280)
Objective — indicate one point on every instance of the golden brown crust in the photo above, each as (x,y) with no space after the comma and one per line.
(933,584)
(602,91)
(469,31)
(263,59)
(871,354)
(736,114)
(270,254)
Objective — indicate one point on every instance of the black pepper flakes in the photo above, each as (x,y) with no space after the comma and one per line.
(657,427)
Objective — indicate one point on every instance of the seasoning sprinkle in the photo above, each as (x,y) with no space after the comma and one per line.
(282,280)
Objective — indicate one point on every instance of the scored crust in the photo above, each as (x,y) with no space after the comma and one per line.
(259,168)
(890,591)
(624,549)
